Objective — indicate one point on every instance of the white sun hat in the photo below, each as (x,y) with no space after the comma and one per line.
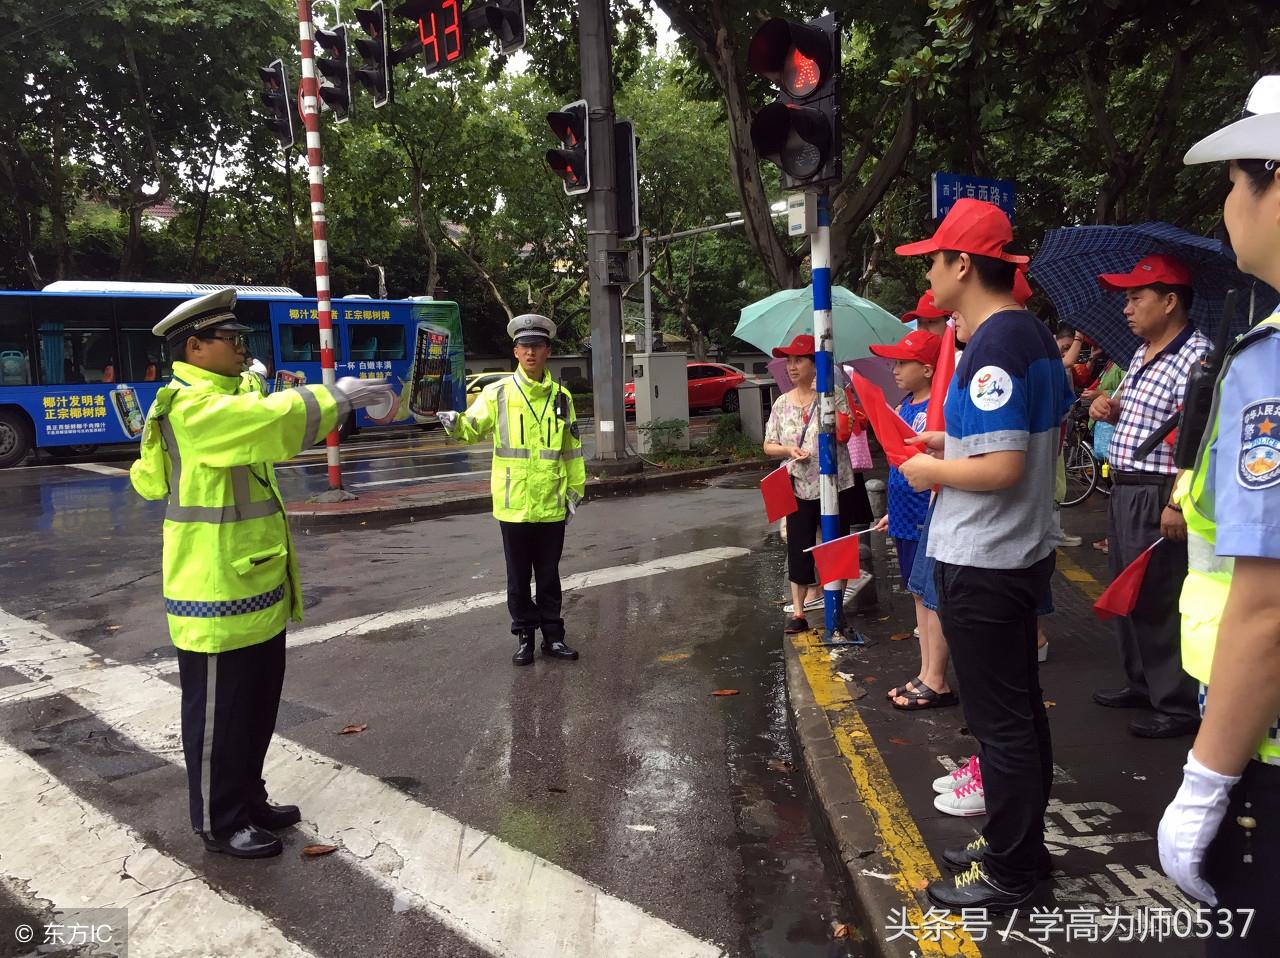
(1255,136)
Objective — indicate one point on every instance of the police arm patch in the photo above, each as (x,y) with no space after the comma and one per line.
(1258,466)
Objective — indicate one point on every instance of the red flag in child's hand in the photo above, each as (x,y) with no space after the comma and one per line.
(779,497)
(888,426)
(934,419)
(1122,595)
(837,559)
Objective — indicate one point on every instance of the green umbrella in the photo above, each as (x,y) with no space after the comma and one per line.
(855,322)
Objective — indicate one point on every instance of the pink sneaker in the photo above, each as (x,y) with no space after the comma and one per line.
(953,780)
(965,801)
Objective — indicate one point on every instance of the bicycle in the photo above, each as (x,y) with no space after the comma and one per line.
(1078,459)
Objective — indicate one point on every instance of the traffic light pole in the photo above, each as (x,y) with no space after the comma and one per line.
(820,259)
(607,358)
(319,239)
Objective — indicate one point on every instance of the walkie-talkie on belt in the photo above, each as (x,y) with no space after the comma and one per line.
(1193,419)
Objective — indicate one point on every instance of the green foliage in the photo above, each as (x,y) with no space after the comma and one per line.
(662,436)
(727,443)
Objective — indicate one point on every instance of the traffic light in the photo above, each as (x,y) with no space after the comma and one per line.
(336,90)
(627,175)
(439,29)
(572,161)
(374,50)
(800,130)
(506,19)
(275,94)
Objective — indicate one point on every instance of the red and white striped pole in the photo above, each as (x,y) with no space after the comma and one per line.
(319,240)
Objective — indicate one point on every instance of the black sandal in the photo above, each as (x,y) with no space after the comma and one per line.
(796,625)
(926,698)
(910,685)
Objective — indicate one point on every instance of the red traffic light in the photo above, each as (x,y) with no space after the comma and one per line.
(572,161)
(796,56)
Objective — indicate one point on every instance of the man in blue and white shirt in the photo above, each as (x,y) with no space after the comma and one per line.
(1157,296)
(993,536)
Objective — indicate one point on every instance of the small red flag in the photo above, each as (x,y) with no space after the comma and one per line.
(888,426)
(837,559)
(935,421)
(779,497)
(1122,595)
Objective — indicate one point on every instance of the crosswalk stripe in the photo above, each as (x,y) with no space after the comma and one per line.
(503,899)
(99,468)
(79,857)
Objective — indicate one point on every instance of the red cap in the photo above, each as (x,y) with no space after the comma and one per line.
(802,345)
(919,345)
(1021,288)
(1150,269)
(971,226)
(925,309)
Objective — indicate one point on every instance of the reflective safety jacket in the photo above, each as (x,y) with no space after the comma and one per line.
(230,574)
(537,454)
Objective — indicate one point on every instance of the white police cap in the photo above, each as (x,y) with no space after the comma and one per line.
(202,314)
(531,326)
(1255,136)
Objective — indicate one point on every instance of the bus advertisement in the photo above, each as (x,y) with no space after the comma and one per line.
(79,365)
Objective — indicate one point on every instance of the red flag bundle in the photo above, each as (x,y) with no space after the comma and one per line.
(934,419)
(837,559)
(779,497)
(888,426)
(1122,595)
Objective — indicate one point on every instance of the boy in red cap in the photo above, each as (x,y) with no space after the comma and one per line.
(1157,294)
(916,356)
(927,315)
(993,536)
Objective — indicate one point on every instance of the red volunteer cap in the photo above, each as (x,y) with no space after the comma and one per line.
(925,309)
(971,226)
(802,345)
(1021,288)
(1150,269)
(919,345)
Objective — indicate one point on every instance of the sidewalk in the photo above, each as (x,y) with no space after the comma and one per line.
(872,768)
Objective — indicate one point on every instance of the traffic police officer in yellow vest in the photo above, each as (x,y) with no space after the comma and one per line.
(538,479)
(230,573)
(1220,837)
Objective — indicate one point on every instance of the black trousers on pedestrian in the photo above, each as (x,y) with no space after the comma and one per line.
(1150,636)
(802,527)
(1242,884)
(989,619)
(229,705)
(533,551)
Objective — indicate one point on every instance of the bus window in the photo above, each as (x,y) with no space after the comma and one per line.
(15,341)
(256,315)
(145,355)
(77,342)
(377,341)
(300,343)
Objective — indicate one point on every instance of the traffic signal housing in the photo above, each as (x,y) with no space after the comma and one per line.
(374,49)
(335,90)
(627,175)
(572,160)
(800,131)
(506,19)
(275,94)
(439,30)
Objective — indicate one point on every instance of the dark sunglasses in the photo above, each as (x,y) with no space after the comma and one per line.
(238,341)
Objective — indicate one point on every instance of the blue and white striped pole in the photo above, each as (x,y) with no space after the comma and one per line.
(820,261)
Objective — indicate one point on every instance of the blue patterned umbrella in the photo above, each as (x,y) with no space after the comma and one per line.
(1071,258)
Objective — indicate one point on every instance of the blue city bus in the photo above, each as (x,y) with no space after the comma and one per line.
(66,349)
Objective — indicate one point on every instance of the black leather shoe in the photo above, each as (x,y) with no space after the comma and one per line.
(524,654)
(556,649)
(975,889)
(247,842)
(961,859)
(274,817)
(1125,698)
(1161,725)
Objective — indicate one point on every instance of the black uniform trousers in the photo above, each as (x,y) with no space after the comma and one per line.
(1151,635)
(989,619)
(229,705)
(533,552)
(1247,885)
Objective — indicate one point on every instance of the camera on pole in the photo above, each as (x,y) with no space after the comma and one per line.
(800,131)
(375,74)
(335,89)
(572,160)
(275,94)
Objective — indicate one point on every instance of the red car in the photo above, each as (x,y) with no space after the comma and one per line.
(711,386)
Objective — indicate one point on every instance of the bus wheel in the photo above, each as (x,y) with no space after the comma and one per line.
(15,437)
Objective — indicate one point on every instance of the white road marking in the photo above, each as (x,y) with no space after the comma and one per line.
(98,468)
(422,479)
(503,899)
(66,852)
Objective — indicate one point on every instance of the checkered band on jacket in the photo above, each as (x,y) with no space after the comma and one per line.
(1150,396)
(217,610)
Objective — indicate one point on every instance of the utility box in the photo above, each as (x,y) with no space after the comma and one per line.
(662,393)
(755,403)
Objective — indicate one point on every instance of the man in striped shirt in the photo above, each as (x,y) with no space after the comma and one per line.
(1157,297)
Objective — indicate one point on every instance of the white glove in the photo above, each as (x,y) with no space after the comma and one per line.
(448,418)
(362,393)
(572,511)
(1189,825)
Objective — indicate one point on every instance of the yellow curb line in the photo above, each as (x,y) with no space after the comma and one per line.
(1078,577)
(900,839)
